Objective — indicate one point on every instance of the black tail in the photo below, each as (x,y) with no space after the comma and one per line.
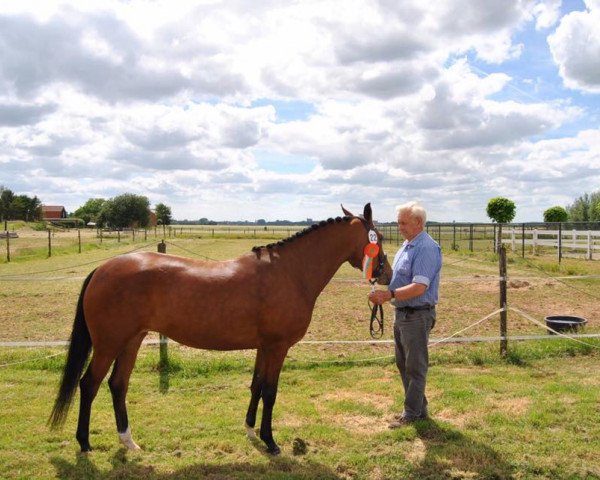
(79,350)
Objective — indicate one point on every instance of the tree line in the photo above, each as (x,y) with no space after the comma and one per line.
(123,211)
(586,208)
(129,210)
(19,207)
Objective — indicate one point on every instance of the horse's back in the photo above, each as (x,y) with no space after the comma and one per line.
(190,301)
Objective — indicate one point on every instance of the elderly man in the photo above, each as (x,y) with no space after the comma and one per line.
(413,290)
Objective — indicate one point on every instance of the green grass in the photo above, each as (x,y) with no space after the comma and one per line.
(496,421)
(532,414)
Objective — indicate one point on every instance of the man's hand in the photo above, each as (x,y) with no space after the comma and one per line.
(380,296)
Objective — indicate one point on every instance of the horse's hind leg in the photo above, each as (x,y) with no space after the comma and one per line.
(88,386)
(119,383)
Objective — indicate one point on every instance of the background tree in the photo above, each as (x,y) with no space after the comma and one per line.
(125,211)
(584,208)
(163,213)
(501,210)
(90,210)
(596,210)
(26,208)
(556,214)
(579,210)
(6,198)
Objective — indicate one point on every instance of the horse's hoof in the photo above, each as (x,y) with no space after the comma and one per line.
(273,450)
(127,440)
(250,433)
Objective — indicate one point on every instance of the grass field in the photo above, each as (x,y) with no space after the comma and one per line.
(533,414)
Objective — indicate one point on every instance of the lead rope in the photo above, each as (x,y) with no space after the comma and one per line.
(376,323)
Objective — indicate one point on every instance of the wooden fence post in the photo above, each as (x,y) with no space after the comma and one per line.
(164,354)
(559,242)
(503,313)
(49,244)
(471,228)
(454,246)
(7,246)
(79,239)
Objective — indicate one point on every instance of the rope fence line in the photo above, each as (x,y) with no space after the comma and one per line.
(17,276)
(433,342)
(31,360)
(190,251)
(445,340)
(570,337)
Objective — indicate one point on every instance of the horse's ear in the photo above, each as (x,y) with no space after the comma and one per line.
(368,213)
(346,212)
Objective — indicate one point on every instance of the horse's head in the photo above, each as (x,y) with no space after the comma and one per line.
(382,271)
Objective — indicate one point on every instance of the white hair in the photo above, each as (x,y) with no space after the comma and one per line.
(414,208)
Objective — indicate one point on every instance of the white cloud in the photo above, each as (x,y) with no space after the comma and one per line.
(575,46)
(179,101)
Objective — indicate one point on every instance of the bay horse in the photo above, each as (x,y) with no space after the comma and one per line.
(261,300)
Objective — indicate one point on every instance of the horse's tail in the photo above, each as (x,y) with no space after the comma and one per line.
(79,350)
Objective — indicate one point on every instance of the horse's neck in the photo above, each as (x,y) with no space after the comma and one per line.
(315,258)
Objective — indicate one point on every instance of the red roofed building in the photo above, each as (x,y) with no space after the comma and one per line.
(53,212)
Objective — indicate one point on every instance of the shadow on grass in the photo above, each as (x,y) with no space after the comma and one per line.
(450,454)
(280,467)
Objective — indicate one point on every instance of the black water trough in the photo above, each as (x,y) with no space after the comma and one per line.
(565,323)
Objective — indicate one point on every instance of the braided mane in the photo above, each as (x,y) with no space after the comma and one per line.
(302,233)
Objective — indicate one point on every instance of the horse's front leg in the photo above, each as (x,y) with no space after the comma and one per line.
(274,357)
(255,391)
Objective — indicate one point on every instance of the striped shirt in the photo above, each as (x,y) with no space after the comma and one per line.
(418,261)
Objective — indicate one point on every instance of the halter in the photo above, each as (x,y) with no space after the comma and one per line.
(376,322)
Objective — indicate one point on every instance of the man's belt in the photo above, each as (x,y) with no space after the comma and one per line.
(409,309)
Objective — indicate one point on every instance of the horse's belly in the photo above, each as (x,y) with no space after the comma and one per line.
(214,343)
(209,328)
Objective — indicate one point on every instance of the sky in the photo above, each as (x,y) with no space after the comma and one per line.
(243,110)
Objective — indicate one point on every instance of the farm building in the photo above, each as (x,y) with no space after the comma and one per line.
(53,212)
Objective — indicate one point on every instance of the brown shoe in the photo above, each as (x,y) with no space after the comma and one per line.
(401,422)
(423,416)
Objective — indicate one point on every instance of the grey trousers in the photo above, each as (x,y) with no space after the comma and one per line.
(411,335)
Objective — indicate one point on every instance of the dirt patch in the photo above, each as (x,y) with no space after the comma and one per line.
(513,406)
(457,419)
(361,424)
(292,421)
(417,452)
(381,402)
(518,284)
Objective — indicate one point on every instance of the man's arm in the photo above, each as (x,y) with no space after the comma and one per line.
(406,292)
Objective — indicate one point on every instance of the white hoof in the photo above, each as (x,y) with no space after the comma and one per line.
(126,440)
(250,432)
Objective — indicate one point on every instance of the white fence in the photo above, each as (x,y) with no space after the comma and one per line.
(585,241)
